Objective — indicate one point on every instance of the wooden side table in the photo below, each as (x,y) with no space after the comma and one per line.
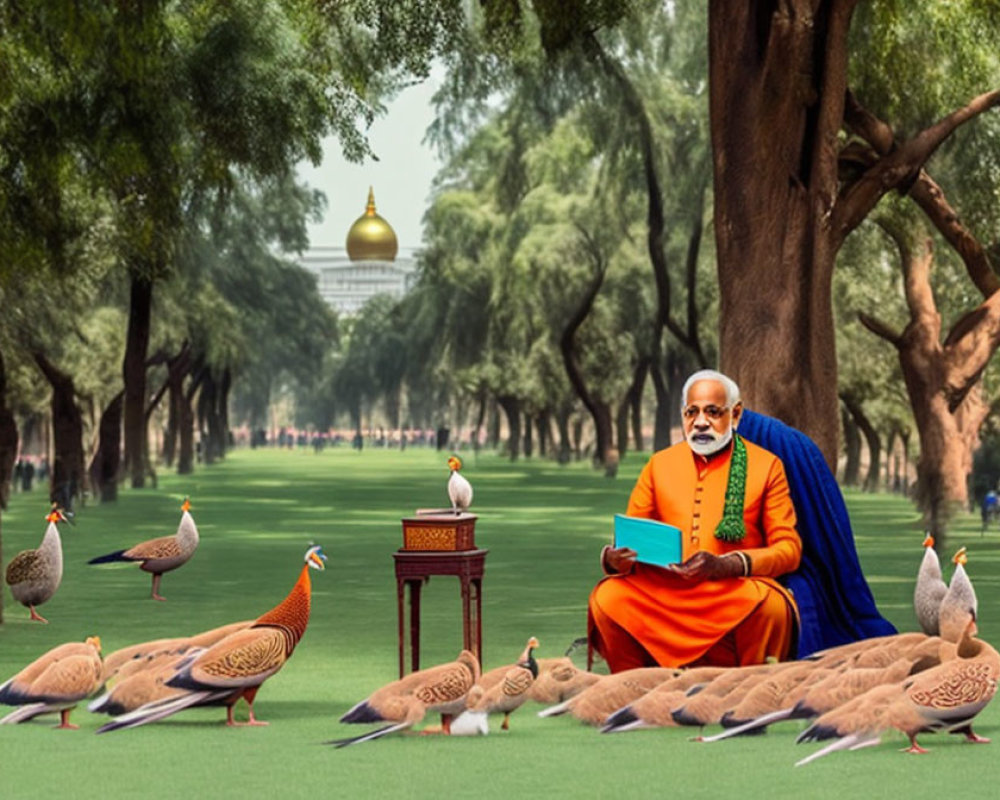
(414,568)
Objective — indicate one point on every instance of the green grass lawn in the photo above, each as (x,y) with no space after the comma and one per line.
(543,525)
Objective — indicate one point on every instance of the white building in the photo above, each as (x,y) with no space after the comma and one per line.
(369,264)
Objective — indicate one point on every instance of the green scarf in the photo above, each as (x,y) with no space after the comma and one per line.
(731,527)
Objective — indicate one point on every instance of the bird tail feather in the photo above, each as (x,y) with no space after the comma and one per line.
(852,741)
(151,712)
(26,712)
(118,555)
(369,736)
(99,704)
(760,722)
(634,725)
(556,710)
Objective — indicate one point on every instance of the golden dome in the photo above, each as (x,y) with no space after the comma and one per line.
(371,238)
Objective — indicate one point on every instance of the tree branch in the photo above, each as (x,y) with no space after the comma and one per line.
(927,194)
(880,328)
(900,166)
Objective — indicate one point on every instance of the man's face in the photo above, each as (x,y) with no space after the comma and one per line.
(708,421)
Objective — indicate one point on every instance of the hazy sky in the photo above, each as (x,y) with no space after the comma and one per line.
(401,177)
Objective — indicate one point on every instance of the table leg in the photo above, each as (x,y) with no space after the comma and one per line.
(467,642)
(415,587)
(478,584)
(400,589)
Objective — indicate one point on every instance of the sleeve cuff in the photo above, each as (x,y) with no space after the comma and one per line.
(604,563)
(747,563)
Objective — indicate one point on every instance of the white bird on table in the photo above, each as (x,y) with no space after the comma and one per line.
(459,489)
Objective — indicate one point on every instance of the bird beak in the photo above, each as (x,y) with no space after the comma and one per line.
(316,560)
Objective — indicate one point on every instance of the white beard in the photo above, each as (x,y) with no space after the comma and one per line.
(718,442)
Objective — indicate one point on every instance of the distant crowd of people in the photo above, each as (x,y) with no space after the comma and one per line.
(26,473)
(319,440)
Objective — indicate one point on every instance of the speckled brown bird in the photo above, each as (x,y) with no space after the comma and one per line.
(500,691)
(558,680)
(404,703)
(595,703)
(944,698)
(34,575)
(136,675)
(238,664)
(55,681)
(162,554)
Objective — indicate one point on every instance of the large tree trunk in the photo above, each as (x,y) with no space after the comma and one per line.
(529,444)
(8,445)
(67,435)
(107,460)
(134,373)
(772,192)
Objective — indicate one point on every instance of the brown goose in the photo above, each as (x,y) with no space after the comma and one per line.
(34,575)
(404,703)
(55,681)
(162,554)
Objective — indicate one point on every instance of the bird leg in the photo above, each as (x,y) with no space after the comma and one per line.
(36,616)
(970,735)
(505,725)
(156,587)
(64,722)
(249,696)
(914,748)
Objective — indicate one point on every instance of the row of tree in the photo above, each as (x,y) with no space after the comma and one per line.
(838,137)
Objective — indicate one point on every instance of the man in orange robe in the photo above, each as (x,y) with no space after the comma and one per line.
(721,605)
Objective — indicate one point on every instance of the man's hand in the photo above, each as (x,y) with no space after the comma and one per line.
(703,566)
(619,560)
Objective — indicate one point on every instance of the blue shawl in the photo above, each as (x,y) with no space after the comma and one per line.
(835,604)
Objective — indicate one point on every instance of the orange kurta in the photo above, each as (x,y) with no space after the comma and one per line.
(676,621)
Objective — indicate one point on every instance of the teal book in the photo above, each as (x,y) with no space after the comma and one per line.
(654,542)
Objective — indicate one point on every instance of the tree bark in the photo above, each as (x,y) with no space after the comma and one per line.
(134,374)
(68,477)
(8,444)
(565,441)
(512,410)
(529,444)
(872,439)
(852,447)
(177,369)
(185,457)
(106,463)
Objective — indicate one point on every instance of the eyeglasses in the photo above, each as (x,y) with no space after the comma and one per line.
(692,413)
